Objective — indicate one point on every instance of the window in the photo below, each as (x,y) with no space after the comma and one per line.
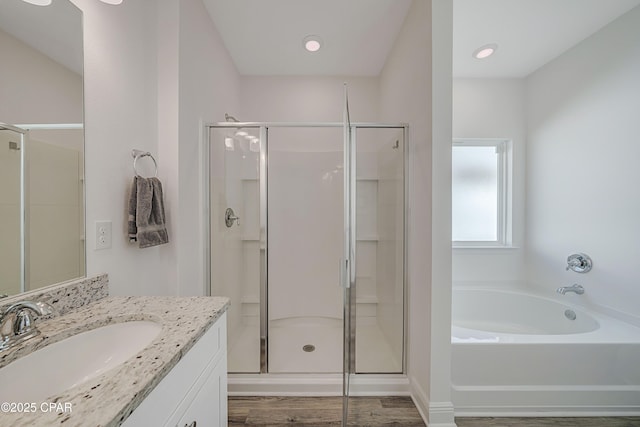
(480,192)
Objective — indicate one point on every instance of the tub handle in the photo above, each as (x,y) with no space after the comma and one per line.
(580,263)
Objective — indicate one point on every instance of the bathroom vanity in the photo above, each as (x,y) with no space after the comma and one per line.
(194,392)
(177,379)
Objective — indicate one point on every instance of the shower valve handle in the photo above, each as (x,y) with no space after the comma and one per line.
(229,217)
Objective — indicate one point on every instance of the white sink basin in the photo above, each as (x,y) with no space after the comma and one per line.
(74,360)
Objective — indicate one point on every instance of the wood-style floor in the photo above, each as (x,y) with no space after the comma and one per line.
(377,411)
(322,411)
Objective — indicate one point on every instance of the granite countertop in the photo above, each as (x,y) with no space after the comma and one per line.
(109,399)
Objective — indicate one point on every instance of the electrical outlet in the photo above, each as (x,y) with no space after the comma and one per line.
(103,235)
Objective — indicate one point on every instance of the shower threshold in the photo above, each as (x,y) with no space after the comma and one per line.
(317,385)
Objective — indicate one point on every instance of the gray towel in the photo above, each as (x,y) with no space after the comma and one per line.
(146,223)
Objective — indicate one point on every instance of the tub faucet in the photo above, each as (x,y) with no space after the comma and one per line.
(16,322)
(578,289)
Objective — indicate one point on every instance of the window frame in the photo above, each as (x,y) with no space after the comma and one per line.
(503,148)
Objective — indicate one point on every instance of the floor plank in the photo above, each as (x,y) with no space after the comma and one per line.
(322,411)
(378,411)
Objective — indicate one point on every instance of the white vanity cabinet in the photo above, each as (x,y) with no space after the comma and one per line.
(194,392)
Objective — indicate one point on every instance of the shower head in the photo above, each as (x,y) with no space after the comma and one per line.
(229,118)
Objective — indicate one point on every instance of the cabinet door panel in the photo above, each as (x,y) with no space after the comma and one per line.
(209,407)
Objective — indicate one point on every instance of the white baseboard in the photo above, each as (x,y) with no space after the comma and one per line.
(434,414)
(542,401)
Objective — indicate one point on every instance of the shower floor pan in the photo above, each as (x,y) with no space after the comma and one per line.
(311,346)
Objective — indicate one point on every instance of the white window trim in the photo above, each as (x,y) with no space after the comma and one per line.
(505,223)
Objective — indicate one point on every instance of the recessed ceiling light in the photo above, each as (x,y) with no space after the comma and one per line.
(312,43)
(39,2)
(485,51)
(111,1)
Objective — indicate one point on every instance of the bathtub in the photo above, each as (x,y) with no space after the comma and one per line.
(518,353)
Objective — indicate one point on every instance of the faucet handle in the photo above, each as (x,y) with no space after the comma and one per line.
(22,312)
(22,324)
(38,307)
(580,263)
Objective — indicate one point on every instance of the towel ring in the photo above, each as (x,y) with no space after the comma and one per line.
(138,154)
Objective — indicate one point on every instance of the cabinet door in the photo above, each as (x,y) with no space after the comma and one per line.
(209,407)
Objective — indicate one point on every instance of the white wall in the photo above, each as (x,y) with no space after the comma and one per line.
(34,88)
(121,114)
(582,166)
(307,99)
(494,108)
(209,87)
(154,71)
(419,68)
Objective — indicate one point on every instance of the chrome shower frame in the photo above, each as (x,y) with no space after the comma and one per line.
(263,167)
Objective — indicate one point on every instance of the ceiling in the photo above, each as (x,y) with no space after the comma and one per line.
(266,37)
(529,33)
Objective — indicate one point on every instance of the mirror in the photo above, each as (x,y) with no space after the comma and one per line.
(41,145)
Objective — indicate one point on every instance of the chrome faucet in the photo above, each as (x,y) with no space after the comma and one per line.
(578,289)
(16,322)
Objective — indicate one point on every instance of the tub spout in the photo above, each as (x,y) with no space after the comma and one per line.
(578,289)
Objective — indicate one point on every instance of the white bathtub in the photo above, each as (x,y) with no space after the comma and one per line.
(517,353)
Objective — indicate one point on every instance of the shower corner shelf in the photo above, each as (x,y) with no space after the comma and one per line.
(370,238)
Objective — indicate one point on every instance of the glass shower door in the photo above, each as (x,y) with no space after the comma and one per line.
(237,238)
(348,268)
(374,266)
(380,246)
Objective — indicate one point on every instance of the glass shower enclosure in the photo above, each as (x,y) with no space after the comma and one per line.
(307,237)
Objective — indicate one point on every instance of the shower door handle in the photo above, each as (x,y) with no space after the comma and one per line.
(344,273)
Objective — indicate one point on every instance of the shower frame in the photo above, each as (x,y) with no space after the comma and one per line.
(349,156)
(24,236)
